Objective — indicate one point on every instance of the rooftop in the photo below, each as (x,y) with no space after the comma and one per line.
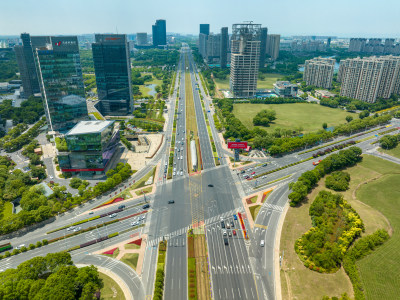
(84,127)
(283,84)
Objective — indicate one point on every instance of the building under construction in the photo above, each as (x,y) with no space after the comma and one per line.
(245,58)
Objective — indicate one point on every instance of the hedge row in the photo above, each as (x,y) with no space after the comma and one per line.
(361,248)
(74,224)
(284,167)
(337,147)
(159,282)
(24,249)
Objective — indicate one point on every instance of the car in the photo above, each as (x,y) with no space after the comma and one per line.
(232,224)
(211,185)
(177,133)
(222,224)
(142,218)
(171,201)
(224,232)
(121,206)
(181,148)
(70,228)
(77,229)
(245,176)
(262,243)
(243,171)
(174,169)
(91,213)
(253,173)
(234,232)
(113,215)
(264,165)
(135,223)
(183,139)
(181,173)
(226,242)
(235,217)
(229,234)
(228,225)
(20,246)
(181,157)
(175,163)
(146,206)
(51,177)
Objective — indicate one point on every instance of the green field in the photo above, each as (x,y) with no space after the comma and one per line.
(111,289)
(131,259)
(379,271)
(267,83)
(289,116)
(7,210)
(393,152)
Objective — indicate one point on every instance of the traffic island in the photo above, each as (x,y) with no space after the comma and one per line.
(253,203)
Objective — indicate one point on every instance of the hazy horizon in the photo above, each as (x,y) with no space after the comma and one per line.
(66,17)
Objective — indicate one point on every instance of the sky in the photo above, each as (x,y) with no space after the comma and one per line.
(343,18)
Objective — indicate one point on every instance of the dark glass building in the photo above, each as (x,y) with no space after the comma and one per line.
(160,33)
(26,62)
(205,29)
(263,45)
(113,74)
(224,47)
(61,83)
(91,146)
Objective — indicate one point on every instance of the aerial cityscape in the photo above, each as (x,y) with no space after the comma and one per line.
(224,150)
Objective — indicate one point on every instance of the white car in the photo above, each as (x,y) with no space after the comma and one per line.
(174,169)
(113,215)
(181,173)
(174,173)
(183,139)
(71,228)
(77,229)
(20,246)
(181,157)
(135,223)
(51,177)
(224,232)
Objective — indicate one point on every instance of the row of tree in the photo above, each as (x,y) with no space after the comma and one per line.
(307,180)
(51,277)
(36,207)
(338,181)
(29,111)
(389,141)
(335,226)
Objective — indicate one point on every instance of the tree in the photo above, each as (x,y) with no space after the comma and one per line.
(389,141)
(324,125)
(349,119)
(363,114)
(264,117)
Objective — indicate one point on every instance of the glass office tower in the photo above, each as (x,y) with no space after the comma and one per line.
(61,83)
(113,74)
(160,33)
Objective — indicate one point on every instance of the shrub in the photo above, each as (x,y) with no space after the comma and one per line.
(45,242)
(39,244)
(7,254)
(31,246)
(338,181)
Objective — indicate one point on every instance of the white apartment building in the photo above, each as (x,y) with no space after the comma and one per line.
(369,78)
(319,72)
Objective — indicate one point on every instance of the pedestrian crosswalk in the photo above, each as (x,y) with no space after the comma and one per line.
(179,232)
(231,269)
(223,215)
(273,206)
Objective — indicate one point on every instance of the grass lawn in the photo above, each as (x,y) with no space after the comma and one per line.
(111,289)
(144,90)
(131,259)
(7,210)
(289,116)
(254,211)
(393,152)
(132,246)
(254,199)
(114,255)
(267,83)
(145,190)
(379,270)
(141,182)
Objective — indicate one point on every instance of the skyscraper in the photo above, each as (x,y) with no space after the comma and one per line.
(26,62)
(141,38)
(245,59)
(203,45)
(213,48)
(319,72)
(224,46)
(273,44)
(113,74)
(205,28)
(263,45)
(61,83)
(160,33)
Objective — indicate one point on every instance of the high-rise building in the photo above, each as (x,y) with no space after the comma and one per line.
(263,45)
(91,146)
(224,46)
(319,72)
(61,83)
(213,48)
(205,29)
(160,33)
(369,78)
(141,38)
(113,74)
(26,62)
(245,59)
(203,45)
(273,44)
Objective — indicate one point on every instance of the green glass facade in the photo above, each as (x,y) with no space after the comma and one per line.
(61,82)
(113,74)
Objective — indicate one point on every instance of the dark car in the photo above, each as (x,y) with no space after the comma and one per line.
(171,201)
(222,224)
(121,206)
(243,171)
(226,242)
(211,185)
(232,224)
(264,165)
(146,206)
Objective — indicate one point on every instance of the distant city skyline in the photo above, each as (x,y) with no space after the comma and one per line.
(343,18)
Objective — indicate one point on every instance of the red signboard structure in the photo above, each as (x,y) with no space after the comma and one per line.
(237,145)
